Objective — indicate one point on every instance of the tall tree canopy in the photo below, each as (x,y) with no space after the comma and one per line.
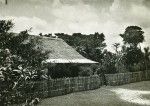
(132,54)
(133,35)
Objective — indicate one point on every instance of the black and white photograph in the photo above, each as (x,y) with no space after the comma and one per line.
(74,52)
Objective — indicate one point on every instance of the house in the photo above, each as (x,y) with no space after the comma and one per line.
(61,56)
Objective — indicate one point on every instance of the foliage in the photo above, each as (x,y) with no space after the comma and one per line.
(133,35)
(130,59)
(147,58)
(13,79)
(116,46)
(108,63)
(85,71)
(19,61)
(120,63)
(9,78)
(132,55)
(21,45)
(5,26)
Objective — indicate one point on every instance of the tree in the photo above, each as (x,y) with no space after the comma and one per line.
(108,63)
(9,77)
(21,45)
(133,35)
(132,55)
(146,57)
(5,26)
(19,60)
(116,46)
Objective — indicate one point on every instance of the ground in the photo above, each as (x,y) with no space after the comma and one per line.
(134,94)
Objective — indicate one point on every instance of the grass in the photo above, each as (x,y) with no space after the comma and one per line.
(134,94)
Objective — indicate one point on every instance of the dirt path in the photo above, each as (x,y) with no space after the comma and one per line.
(135,94)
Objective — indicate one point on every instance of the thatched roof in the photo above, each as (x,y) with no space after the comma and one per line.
(60,51)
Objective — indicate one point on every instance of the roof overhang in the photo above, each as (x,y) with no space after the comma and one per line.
(83,61)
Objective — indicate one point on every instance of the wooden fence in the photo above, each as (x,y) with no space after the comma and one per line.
(57,87)
(124,78)
(62,86)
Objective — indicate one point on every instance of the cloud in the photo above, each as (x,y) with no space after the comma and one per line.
(23,23)
(86,16)
(2,1)
(78,18)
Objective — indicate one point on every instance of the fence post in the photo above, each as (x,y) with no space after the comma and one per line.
(104,80)
(48,86)
(147,74)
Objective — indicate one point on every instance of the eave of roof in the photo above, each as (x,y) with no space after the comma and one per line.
(87,61)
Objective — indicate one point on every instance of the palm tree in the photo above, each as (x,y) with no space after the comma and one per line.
(6,2)
(146,57)
(116,46)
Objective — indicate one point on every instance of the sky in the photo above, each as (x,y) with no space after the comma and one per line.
(110,17)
